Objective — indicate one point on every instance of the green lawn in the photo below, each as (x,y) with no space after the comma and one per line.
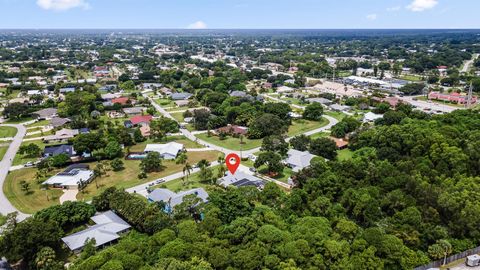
(36,199)
(180,184)
(337,115)
(178,116)
(319,135)
(231,142)
(165,102)
(7,132)
(301,126)
(39,123)
(344,154)
(3,150)
(413,78)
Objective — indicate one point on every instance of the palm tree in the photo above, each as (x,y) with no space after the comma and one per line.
(182,158)
(188,169)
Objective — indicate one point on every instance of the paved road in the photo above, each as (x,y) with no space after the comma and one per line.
(468,64)
(5,206)
(430,106)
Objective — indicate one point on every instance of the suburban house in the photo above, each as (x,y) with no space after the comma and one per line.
(167,151)
(180,96)
(323,101)
(145,130)
(371,117)
(67,90)
(453,97)
(172,199)
(141,120)
(71,177)
(339,108)
(46,114)
(241,179)
(285,89)
(56,122)
(107,229)
(110,96)
(341,143)
(55,150)
(62,135)
(134,111)
(121,100)
(232,130)
(298,160)
(182,103)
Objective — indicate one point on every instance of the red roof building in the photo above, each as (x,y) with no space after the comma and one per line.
(141,120)
(120,100)
(453,97)
(233,129)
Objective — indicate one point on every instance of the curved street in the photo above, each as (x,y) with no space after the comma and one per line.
(5,206)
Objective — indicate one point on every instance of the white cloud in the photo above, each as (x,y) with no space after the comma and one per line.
(396,8)
(421,5)
(372,17)
(61,5)
(197,25)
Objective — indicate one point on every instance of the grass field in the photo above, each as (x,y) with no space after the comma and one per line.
(165,102)
(344,154)
(412,78)
(337,115)
(178,116)
(3,150)
(194,181)
(319,135)
(231,142)
(39,123)
(129,176)
(301,126)
(7,132)
(36,199)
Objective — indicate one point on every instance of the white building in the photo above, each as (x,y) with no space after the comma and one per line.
(298,160)
(71,177)
(107,229)
(167,151)
(371,117)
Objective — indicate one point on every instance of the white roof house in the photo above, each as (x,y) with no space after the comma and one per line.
(167,151)
(107,229)
(70,178)
(285,89)
(173,199)
(371,117)
(298,160)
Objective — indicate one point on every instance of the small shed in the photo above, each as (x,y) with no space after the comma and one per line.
(473,260)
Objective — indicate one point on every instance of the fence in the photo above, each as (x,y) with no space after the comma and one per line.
(450,259)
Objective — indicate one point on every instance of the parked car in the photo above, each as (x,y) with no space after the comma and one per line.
(29,164)
(160,181)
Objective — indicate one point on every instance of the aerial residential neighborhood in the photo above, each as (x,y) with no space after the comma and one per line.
(131,139)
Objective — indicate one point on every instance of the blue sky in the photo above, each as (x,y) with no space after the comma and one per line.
(246,14)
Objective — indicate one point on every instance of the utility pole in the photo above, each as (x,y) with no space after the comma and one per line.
(470,96)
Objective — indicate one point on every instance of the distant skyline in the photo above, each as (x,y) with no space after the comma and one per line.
(239,14)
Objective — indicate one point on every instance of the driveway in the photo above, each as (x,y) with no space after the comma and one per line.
(5,206)
(69,195)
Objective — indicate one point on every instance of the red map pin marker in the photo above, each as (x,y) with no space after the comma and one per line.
(232,161)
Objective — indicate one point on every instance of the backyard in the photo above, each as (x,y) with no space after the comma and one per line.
(193,181)
(301,126)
